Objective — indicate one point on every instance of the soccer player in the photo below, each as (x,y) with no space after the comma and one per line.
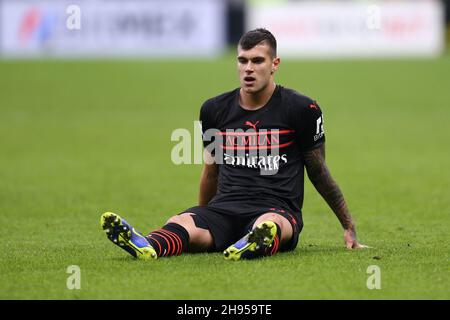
(251,195)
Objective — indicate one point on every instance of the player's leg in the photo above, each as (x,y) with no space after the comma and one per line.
(122,234)
(270,232)
(284,228)
(180,234)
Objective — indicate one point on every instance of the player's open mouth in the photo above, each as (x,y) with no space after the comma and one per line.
(249,80)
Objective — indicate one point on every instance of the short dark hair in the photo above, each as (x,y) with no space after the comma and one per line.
(256,36)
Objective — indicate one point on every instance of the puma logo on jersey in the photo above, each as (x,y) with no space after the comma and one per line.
(250,124)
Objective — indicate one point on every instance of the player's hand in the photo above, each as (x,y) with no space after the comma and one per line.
(350,240)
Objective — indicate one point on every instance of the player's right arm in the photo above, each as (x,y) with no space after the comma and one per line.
(311,139)
(320,176)
(208,180)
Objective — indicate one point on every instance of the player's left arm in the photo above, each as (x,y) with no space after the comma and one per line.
(320,176)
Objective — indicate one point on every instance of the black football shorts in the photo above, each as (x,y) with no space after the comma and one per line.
(226,228)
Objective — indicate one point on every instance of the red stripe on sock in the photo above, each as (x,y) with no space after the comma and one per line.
(178,240)
(166,239)
(170,243)
(276,242)
(174,241)
(180,243)
(157,242)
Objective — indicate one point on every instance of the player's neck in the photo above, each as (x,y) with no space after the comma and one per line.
(254,101)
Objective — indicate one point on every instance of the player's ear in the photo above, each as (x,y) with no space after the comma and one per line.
(275,64)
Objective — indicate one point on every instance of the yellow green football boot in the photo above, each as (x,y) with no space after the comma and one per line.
(126,237)
(254,244)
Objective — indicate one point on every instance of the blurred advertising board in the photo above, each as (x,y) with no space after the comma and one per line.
(328,29)
(111,28)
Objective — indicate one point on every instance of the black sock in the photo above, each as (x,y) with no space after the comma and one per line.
(275,244)
(171,240)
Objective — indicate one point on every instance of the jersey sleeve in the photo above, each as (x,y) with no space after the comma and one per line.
(207,120)
(308,125)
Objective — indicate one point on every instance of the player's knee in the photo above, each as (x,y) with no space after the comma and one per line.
(273,217)
(198,237)
(282,222)
(175,219)
(182,219)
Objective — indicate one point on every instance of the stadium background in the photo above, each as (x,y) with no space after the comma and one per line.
(86,117)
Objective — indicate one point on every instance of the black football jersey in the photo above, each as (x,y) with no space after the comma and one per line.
(259,152)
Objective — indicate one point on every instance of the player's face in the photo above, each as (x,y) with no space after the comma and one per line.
(256,67)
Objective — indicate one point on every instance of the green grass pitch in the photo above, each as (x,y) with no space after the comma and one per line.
(78,138)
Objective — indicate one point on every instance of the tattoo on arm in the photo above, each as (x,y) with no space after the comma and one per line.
(321,178)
